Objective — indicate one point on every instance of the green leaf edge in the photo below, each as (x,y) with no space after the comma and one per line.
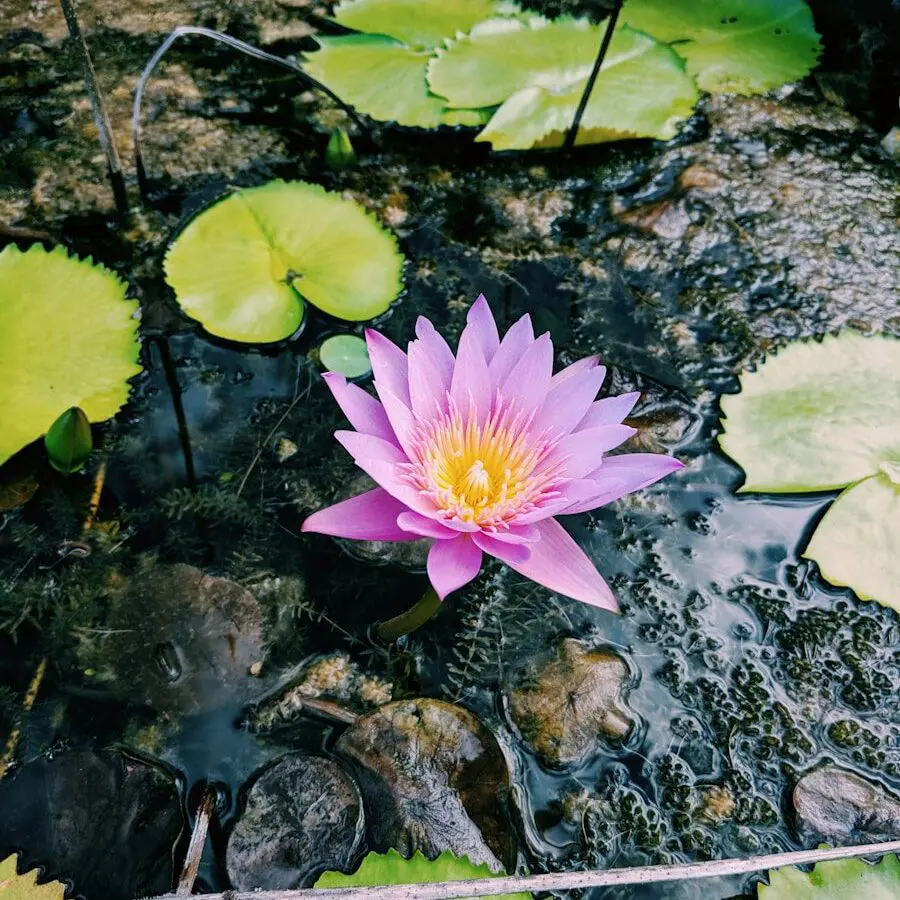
(781,888)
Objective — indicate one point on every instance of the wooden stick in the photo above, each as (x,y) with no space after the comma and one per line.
(195,847)
(564,881)
(30,697)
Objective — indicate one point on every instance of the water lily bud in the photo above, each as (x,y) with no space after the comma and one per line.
(69,441)
(339,154)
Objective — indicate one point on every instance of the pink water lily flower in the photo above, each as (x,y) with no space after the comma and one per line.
(481,451)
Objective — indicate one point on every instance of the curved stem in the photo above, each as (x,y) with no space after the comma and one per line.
(415,617)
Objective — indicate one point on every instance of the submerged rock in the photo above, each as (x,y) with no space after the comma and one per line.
(434,779)
(178,641)
(106,821)
(574,700)
(302,815)
(837,804)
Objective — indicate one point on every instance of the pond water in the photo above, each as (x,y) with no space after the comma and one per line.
(739,669)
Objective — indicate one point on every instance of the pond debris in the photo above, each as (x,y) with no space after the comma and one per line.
(12,741)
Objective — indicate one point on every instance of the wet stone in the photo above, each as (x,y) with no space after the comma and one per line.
(301,816)
(575,700)
(434,779)
(73,813)
(178,640)
(836,804)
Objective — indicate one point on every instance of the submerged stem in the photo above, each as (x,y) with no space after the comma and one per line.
(415,617)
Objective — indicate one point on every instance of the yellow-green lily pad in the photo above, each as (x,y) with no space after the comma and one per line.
(843,879)
(68,338)
(245,266)
(25,887)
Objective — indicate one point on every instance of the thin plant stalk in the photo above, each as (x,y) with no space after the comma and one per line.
(415,617)
(195,848)
(572,134)
(566,881)
(101,117)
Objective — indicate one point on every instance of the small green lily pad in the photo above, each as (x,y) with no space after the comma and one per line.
(382,869)
(538,71)
(384,79)
(347,354)
(244,267)
(845,879)
(734,46)
(68,337)
(417,23)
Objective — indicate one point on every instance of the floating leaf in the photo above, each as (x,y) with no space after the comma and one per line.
(823,415)
(68,337)
(818,415)
(421,25)
(734,46)
(844,879)
(857,543)
(347,354)
(69,441)
(244,267)
(391,868)
(339,154)
(538,71)
(25,887)
(384,79)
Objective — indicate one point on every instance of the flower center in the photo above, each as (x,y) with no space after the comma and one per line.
(485,473)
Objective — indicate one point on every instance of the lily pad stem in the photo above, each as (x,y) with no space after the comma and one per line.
(415,617)
(569,142)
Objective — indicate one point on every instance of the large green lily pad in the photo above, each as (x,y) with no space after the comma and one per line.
(391,868)
(68,338)
(244,267)
(734,46)
(822,415)
(25,887)
(845,879)
(538,71)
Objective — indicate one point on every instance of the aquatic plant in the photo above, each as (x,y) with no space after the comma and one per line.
(475,62)
(245,267)
(822,415)
(391,868)
(346,354)
(25,887)
(480,451)
(841,879)
(69,441)
(68,338)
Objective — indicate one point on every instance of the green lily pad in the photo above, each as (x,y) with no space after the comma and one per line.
(818,415)
(734,46)
(68,337)
(538,71)
(845,879)
(419,24)
(347,354)
(244,267)
(391,868)
(25,887)
(384,79)
(824,415)
(857,543)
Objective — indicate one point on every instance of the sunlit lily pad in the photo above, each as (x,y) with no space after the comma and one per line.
(538,70)
(384,79)
(25,887)
(391,868)
(824,415)
(347,354)
(734,46)
(419,24)
(68,337)
(244,267)
(845,879)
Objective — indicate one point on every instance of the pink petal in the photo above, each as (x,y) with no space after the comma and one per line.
(609,410)
(371,516)
(451,564)
(508,553)
(425,527)
(515,534)
(587,362)
(621,475)
(514,344)
(438,349)
(528,382)
(582,451)
(400,417)
(429,378)
(481,320)
(364,412)
(388,364)
(569,400)
(471,385)
(558,563)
